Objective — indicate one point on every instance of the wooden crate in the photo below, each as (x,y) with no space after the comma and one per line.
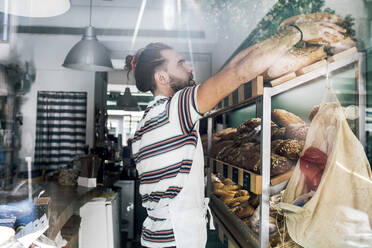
(247,179)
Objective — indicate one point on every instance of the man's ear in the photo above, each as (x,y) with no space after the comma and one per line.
(161,77)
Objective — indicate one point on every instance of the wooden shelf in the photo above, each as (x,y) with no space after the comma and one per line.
(247,179)
(238,231)
(244,97)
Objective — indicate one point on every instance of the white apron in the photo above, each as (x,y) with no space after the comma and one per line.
(188,210)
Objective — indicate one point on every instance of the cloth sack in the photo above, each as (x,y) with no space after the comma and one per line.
(345,186)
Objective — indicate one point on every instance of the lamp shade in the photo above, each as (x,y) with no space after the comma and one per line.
(88,54)
(127,101)
(34,8)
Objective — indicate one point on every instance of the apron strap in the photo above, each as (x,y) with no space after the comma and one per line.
(206,206)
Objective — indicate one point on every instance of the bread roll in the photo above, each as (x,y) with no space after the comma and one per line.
(245,212)
(290,149)
(234,205)
(279,164)
(242,192)
(223,193)
(284,118)
(240,199)
(254,201)
(217,186)
(230,187)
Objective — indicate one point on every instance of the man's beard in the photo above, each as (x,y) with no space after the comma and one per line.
(178,84)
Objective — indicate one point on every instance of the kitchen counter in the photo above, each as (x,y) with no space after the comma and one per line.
(64,201)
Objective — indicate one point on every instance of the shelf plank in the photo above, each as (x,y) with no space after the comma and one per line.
(257,86)
(282,177)
(311,67)
(343,54)
(283,79)
(223,110)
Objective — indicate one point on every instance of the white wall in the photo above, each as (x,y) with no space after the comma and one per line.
(48,53)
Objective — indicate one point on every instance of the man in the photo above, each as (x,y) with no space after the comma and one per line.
(167,148)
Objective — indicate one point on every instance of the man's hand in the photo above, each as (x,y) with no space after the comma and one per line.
(316,28)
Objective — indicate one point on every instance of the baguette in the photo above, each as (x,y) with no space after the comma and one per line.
(284,118)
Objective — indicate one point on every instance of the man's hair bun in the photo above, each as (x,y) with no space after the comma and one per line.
(128,62)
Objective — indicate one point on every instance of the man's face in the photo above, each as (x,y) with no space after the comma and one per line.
(180,73)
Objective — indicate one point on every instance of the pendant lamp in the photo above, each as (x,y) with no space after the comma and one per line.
(127,101)
(88,54)
(34,8)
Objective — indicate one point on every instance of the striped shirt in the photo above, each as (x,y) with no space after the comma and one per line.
(164,146)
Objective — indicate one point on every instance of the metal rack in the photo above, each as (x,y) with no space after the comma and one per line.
(263,110)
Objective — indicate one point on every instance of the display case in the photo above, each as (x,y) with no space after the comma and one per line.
(297,93)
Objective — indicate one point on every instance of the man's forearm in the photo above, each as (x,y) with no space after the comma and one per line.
(244,67)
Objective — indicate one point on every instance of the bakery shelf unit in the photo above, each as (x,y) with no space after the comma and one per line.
(264,97)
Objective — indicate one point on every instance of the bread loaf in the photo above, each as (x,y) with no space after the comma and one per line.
(277,133)
(297,132)
(249,125)
(275,144)
(217,147)
(294,60)
(250,131)
(313,112)
(279,164)
(290,149)
(225,132)
(284,118)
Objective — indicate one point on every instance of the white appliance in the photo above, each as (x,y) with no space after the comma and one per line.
(100,220)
